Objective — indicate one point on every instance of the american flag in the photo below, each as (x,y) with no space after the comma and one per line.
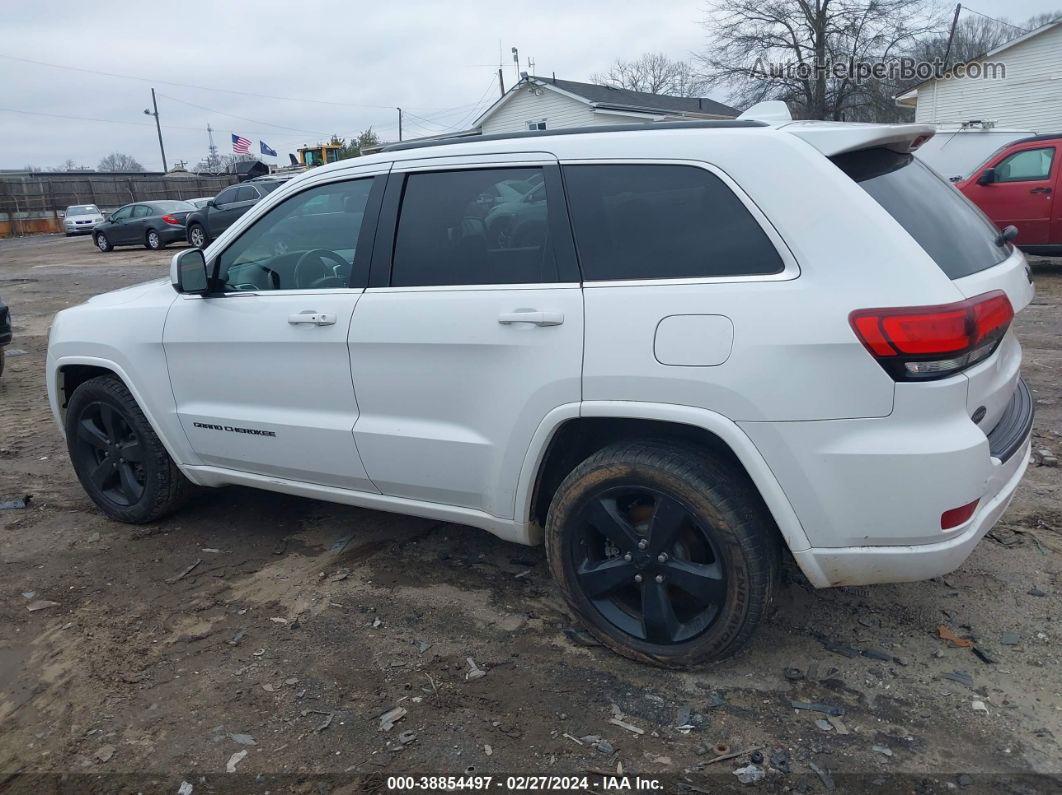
(241,146)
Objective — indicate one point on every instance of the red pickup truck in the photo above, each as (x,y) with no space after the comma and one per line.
(1019,185)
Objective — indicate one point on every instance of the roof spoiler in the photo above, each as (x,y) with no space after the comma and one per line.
(772,110)
(835,138)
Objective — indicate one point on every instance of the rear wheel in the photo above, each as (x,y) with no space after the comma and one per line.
(119,460)
(197,236)
(102,243)
(665,552)
(153,241)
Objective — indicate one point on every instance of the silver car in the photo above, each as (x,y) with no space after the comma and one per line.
(80,219)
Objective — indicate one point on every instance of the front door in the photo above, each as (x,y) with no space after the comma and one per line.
(226,209)
(117,230)
(1022,193)
(472,333)
(260,370)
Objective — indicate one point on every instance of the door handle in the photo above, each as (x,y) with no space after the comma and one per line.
(311,318)
(531,316)
(1040,190)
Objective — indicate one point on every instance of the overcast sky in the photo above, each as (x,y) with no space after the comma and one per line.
(336,67)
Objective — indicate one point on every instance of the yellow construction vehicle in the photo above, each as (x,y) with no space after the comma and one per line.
(319,155)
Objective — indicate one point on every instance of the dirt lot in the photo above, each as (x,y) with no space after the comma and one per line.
(304,621)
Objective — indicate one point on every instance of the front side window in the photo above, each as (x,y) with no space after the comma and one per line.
(122,213)
(307,242)
(1030,164)
(246,194)
(641,221)
(479,226)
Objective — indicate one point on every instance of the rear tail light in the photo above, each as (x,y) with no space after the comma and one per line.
(919,343)
(170,219)
(958,516)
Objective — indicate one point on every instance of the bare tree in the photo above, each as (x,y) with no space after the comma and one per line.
(653,73)
(748,37)
(116,161)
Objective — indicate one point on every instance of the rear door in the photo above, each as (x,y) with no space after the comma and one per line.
(135,229)
(469,335)
(1022,192)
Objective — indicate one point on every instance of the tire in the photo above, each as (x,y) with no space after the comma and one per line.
(153,241)
(644,495)
(102,243)
(119,460)
(197,236)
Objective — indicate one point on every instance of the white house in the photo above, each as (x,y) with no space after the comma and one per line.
(546,103)
(1029,97)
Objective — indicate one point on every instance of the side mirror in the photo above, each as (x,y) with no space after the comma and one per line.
(988,176)
(1009,233)
(188,272)
(211,203)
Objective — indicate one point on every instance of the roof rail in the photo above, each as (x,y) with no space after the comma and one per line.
(706,124)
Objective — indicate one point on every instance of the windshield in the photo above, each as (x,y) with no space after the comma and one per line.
(959,238)
(83,209)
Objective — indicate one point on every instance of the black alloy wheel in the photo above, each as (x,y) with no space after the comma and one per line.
(646,563)
(112,454)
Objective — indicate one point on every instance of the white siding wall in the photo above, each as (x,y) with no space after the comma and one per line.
(557,109)
(1030,98)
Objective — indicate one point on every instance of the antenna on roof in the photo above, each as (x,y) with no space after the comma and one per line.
(531,65)
(772,110)
(516,62)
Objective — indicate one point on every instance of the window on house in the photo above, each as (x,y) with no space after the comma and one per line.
(537,125)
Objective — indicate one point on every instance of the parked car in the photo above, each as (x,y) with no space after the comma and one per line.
(695,368)
(5,331)
(1020,186)
(200,202)
(152,224)
(221,212)
(81,219)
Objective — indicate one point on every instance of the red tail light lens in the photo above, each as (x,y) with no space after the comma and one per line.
(171,220)
(924,342)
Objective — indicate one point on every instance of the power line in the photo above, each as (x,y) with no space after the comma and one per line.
(1000,21)
(207,88)
(132,123)
(242,118)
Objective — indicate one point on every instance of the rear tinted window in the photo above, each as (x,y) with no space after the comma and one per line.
(480,226)
(663,222)
(940,219)
(173,207)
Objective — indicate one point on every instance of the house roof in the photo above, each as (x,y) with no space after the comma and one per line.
(912,92)
(620,99)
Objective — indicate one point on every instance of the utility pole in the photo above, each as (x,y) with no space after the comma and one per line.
(501,83)
(158,128)
(954,22)
(399,124)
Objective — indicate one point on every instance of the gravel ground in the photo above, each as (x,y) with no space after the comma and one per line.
(302,622)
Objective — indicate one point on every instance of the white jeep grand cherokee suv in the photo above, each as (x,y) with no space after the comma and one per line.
(671,352)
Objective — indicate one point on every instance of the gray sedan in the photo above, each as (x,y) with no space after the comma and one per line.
(150,224)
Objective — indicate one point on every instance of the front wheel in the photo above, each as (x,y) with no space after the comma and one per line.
(102,243)
(197,236)
(119,460)
(153,241)
(665,552)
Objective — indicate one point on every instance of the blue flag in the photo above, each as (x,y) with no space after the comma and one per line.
(266,150)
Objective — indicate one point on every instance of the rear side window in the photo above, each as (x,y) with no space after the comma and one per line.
(479,226)
(663,222)
(951,230)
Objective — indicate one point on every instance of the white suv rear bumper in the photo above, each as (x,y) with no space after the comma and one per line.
(825,566)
